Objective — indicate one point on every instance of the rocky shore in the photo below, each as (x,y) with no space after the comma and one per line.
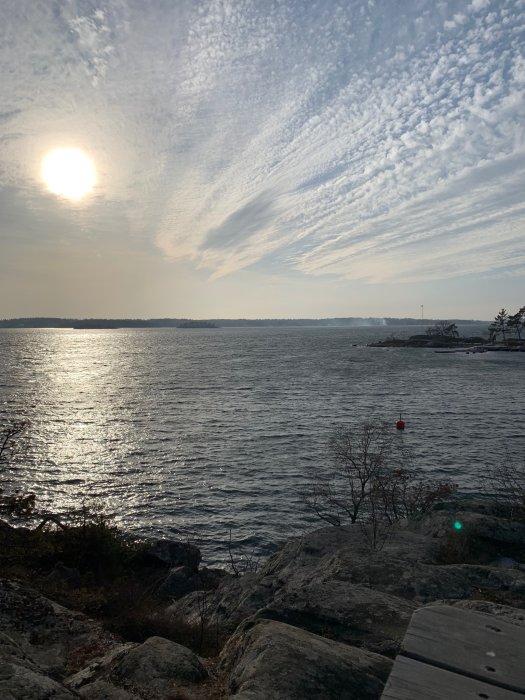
(323,618)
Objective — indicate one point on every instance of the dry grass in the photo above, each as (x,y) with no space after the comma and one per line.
(456,548)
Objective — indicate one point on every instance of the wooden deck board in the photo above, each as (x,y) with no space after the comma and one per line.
(468,643)
(414,680)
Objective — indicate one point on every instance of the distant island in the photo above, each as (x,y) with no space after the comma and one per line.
(197,324)
(112,323)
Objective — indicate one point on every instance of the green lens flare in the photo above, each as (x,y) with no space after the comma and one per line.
(458,525)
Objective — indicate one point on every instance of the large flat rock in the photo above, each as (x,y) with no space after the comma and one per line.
(267,659)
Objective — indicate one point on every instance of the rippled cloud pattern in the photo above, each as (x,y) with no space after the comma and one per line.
(373,140)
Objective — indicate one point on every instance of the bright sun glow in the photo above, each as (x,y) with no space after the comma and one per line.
(68,172)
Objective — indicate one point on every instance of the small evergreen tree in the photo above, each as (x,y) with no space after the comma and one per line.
(516,322)
(499,326)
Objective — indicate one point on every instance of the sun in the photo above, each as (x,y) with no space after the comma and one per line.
(69,172)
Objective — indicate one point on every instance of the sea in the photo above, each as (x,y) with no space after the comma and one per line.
(214,435)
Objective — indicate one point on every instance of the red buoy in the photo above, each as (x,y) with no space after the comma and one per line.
(400,424)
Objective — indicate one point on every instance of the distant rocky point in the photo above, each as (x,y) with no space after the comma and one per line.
(445,335)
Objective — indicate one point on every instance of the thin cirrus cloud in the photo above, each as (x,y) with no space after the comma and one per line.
(372,140)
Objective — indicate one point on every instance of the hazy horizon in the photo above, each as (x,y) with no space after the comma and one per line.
(331,320)
(208,159)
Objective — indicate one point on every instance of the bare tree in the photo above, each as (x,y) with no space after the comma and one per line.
(372,481)
(359,460)
(17,504)
(443,329)
(360,456)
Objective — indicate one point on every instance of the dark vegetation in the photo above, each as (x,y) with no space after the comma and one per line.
(93,567)
(83,561)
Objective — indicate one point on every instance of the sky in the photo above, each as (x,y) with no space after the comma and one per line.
(276,158)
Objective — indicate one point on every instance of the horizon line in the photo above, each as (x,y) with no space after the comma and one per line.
(241,318)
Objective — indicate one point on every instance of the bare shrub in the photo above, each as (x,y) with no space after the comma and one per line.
(9,433)
(405,493)
(505,483)
(372,482)
(247,563)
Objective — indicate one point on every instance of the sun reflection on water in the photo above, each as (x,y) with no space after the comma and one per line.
(82,423)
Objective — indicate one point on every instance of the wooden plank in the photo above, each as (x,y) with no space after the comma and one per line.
(469,643)
(414,680)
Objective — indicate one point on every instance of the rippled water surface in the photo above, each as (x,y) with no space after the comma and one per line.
(197,431)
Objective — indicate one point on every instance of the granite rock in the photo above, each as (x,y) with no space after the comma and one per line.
(268,659)
(153,667)
(47,632)
(21,677)
(331,582)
